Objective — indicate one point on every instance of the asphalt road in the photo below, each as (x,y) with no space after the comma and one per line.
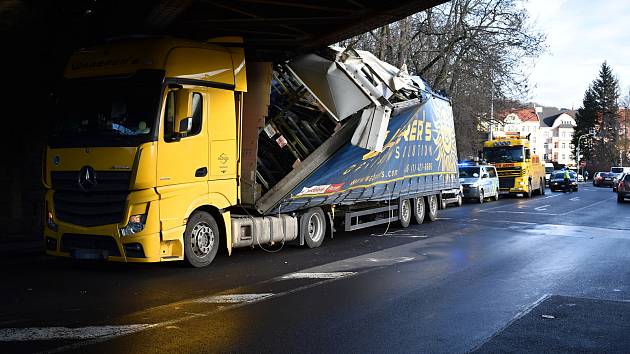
(469,281)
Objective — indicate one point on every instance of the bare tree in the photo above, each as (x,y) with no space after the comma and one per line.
(473,49)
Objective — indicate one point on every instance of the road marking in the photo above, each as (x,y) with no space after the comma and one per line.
(58,333)
(552,196)
(588,206)
(542,207)
(232,298)
(575,199)
(328,275)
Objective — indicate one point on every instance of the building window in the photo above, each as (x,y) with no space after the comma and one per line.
(564,145)
(564,156)
(555,145)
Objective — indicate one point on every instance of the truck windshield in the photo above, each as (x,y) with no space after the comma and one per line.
(616,169)
(548,169)
(106,112)
(503,154)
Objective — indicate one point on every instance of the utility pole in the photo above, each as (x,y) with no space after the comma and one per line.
(491,107)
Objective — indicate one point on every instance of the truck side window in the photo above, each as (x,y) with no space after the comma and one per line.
(171,109)
(492,172)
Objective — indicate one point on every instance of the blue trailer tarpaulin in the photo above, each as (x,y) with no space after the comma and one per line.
(419,156)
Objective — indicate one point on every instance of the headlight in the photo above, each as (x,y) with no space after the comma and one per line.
(134,225)
(521,183)
(50,221)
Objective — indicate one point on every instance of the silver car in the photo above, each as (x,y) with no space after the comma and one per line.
(479,182)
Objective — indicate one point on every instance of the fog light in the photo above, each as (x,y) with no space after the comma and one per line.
(50,222)
(134,225)
(51,244)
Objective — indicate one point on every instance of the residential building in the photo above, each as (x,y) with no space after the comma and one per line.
(550,131)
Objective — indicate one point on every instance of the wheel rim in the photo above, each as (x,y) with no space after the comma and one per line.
(315,227)
(420,207)
(202,239)
(405,213)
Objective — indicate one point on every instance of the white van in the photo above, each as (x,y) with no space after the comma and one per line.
(548,170)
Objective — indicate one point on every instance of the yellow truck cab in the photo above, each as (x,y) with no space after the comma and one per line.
(130,143)
(520,171)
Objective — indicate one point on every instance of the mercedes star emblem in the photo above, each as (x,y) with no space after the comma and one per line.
(87,178)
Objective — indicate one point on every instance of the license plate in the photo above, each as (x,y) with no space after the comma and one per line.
(504,192)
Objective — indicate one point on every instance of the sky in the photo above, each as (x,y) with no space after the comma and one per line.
(581,35)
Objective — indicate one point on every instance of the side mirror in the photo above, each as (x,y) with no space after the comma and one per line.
(183,120)
(185,126)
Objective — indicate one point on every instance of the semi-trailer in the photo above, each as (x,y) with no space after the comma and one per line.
(165,149)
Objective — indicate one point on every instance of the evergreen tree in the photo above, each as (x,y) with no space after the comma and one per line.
(606,89)
(600,111)
(585,120)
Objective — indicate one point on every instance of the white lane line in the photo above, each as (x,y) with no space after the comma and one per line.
(587,206)
(325,275)
(575,199)
(232,298)
(523,212)
(58,333)
(542,207)
(552,196)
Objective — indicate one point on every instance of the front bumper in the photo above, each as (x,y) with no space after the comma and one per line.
(105,242)
(470,192)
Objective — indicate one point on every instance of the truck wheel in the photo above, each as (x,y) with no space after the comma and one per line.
(619,198)
(460,200)
(432,208)
(481,196)
(529,190)
(542,187)
(404,212)
(201,239)
(313,227)
(418,210)
(496,195)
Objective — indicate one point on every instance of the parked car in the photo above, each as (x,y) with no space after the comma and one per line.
(557,182)
(479,182)
(623,188)
(548,170)
(617,177)
(603,179)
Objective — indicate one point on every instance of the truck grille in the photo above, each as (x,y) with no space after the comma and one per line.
(506,183)
(509,172)
(103,204)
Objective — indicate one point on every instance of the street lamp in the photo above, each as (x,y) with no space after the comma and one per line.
(591,132)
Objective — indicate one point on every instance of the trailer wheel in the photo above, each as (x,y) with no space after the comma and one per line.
(313,227)
(432,208)
(418,210)
(201,239)
(404,212)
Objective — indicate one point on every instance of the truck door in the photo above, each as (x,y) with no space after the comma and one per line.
(182,163)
